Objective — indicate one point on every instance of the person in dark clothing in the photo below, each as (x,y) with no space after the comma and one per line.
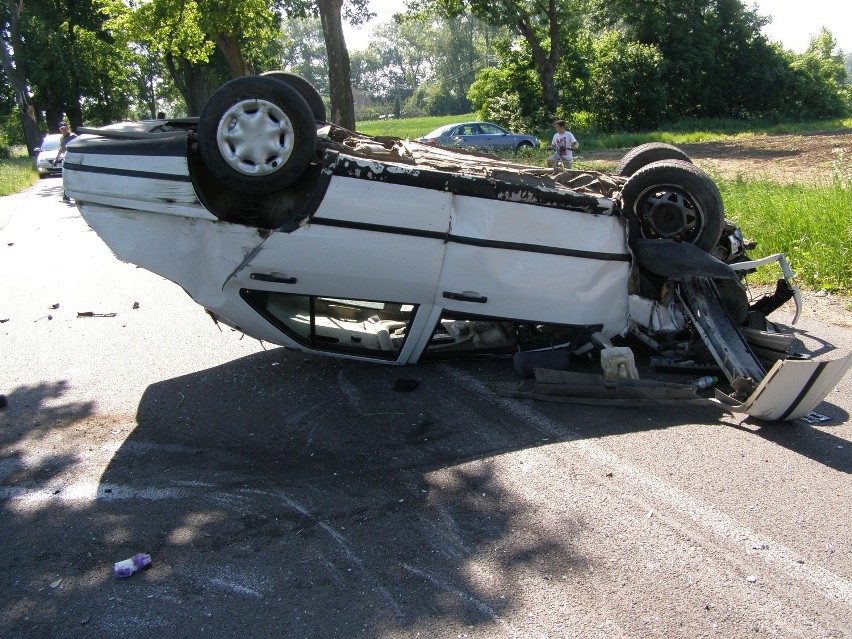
(67,136)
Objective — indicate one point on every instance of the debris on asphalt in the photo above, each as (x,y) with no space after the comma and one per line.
(135,305)
(4,320)
(49,317)
(751,579)
(127,567)
(3,401)
(815,418)
(92,314)
(54,306)
(56,584)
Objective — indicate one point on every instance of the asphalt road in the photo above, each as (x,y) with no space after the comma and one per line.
(282,495)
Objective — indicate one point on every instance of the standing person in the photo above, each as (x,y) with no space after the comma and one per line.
(563,145)
(67,136)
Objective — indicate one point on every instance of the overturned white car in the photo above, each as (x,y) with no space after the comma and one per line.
(307,235)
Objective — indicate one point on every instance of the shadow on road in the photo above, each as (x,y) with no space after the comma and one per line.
(303,494)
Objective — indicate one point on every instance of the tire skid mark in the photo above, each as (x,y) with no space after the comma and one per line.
(344,546)
(467,598)
(832,586)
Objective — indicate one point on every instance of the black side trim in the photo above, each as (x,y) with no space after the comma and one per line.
(379,228)
(472,241)
(814,377)
(534,248)
(166,177)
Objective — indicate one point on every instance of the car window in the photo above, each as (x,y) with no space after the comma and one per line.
(50,143)
(469,129)
(491,129)
(441,130)
(376,329)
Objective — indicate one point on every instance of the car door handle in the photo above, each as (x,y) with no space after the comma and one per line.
(277,278)
(467,296)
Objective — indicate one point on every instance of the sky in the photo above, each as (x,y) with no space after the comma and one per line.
(794,22)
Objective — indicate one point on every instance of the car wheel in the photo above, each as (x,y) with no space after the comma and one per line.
(256,135)
(524,144)
(645,154)
(305,89)
(675,200)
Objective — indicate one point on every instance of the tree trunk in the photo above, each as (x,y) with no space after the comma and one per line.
(192,81)
(339,70)
(15,71)
(545,60)
(230,48)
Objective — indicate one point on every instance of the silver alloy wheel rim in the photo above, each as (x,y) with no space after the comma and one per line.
(255,137)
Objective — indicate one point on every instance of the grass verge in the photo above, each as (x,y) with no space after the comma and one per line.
(17,172)
(810,223)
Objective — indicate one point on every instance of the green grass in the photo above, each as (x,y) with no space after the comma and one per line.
(812,224)
(410,128)
(17,172)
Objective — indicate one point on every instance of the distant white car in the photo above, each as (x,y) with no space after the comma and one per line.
(314,237)
(46,154)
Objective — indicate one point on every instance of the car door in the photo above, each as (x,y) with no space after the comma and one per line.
(358,277)
(470,136)
(494,137)
(520,261)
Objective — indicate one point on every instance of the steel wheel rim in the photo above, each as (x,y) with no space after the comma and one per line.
(669,212)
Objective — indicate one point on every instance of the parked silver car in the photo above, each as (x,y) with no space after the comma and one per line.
(46,154)
(478,135)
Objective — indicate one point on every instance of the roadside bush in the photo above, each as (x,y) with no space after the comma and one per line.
(509,97)
(626,88)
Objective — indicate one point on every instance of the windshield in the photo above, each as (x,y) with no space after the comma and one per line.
(441,130)
(50,143)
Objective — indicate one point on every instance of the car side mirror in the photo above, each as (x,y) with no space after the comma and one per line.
(37,149)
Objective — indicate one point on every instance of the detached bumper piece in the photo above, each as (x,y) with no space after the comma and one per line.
(791,389)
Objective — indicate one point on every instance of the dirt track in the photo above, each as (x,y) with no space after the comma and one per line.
(806,158)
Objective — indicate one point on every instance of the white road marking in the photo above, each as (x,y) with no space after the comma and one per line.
(832,586)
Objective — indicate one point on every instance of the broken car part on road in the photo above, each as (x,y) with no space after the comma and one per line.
(304,234)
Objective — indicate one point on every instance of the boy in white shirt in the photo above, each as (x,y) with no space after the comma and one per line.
(563,145)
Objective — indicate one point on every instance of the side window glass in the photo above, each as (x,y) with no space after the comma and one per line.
(490,129)
(376,329)
(457,334)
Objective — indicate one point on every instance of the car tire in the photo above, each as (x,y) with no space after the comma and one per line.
(524,144)
(305,89)
(256,134)
(645,154)
(676,200)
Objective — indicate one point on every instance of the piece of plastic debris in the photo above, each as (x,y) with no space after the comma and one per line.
(135,305)
(705,382)
(618,363)
(4,320)
(127,567)
(751,579)
(54,306)
(91,314)
(56,584)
